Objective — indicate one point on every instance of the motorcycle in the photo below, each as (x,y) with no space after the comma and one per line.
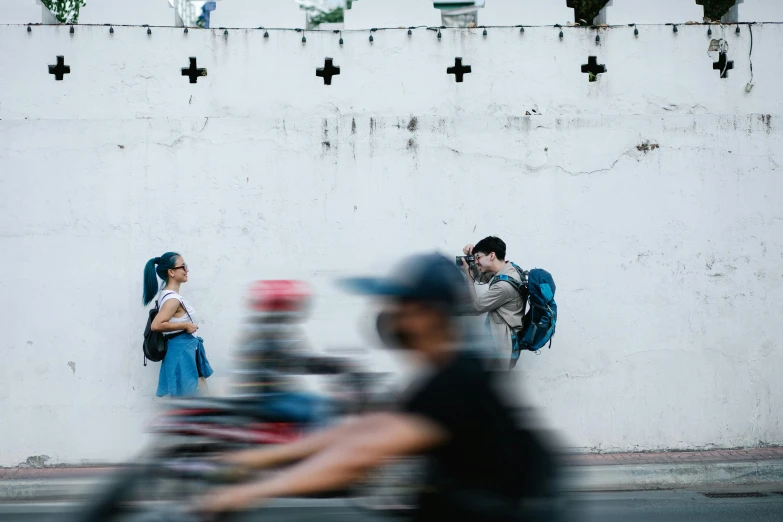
(264,407)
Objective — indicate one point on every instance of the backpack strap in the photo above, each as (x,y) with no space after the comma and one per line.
(522,273)
(161,298)
(518,286)
(521,287)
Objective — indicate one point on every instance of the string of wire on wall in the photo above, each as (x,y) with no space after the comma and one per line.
(434,29)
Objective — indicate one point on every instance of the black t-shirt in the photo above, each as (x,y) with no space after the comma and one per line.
(488,463)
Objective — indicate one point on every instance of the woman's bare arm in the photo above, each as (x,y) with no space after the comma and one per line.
(161,322)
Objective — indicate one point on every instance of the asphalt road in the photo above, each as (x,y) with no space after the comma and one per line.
(676,506)
(657,506)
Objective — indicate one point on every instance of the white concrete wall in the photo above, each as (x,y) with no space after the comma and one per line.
(21,12)
(366,14)
(525,12)
(620,12)
(137,12)
(258,13)
(759,11)
(667,258)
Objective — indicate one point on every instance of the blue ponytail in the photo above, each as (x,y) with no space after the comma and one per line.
(164,263)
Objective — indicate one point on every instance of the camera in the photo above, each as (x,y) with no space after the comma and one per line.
(470,260)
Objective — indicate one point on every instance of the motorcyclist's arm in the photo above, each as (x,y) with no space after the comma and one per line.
(346,460)
(271,456)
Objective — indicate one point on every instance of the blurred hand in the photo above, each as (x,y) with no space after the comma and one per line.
(191,328)
(465,267)
(227,500)
(467,250)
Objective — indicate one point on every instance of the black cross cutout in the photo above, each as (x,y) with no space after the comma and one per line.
(60,69)
(193,71)
(593,68)
(459,70)
(723,65)
(327,71)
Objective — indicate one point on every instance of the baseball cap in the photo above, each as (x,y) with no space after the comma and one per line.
(426,278)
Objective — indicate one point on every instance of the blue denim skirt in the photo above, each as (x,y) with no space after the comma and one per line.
(184,363)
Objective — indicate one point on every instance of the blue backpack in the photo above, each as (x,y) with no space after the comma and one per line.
(538,326)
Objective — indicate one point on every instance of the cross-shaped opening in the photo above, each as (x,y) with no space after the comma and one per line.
(723,65)
(327,71)
(459,70)
(193,71)
(592,68)
(60,69)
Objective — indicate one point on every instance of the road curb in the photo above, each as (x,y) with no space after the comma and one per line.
(626,477)
(46,489)
(631,477)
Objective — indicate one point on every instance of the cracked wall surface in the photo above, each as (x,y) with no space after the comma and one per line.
(653,196)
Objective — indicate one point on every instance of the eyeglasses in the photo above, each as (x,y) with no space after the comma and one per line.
(184,267)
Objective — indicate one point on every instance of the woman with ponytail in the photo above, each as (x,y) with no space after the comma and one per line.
(185,367)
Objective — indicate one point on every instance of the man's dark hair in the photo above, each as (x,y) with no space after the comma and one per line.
(491,244)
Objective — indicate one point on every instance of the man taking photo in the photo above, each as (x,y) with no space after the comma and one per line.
(502,302)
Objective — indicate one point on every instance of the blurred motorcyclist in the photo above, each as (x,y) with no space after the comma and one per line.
(481,464)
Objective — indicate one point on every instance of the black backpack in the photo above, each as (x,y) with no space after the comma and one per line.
(155,343)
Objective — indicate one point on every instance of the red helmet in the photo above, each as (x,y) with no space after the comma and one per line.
(279,296)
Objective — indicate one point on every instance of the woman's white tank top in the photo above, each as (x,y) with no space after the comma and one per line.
(189,316)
